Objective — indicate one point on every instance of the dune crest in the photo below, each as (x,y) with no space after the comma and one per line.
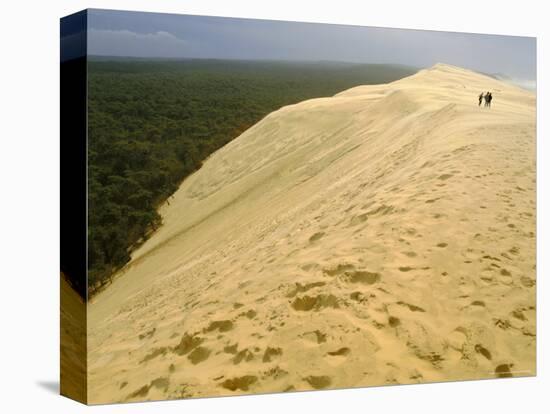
(384,235)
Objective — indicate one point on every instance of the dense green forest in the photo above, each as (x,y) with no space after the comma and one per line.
(152,122)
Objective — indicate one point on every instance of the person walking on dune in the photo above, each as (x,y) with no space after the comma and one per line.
(488,99)
(480,99)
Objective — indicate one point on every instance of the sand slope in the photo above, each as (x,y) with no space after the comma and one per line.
(384,235)
(73,379)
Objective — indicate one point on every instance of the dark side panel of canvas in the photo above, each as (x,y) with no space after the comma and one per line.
(73,369)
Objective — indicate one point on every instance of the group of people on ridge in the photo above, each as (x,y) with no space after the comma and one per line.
(488,98)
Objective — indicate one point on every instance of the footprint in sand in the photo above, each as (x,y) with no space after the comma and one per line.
(243,355)
(187,344)
(199,355)
(518,314)
(250,314)
(316,236)
(478,303)
(274,373)
(358,297)
(483,351)
(350,274)
(381,210)
(412,308)
(316,336)
(160,383)
(340,352)
(239,383)
(393,321)
(506,277)
(222,326)
(148,334)
(405,268)
(319,382)
(299,288)
(363,276)
(271,353)
(308,303)
(230,349)
(527,282)
(338,356)
(355,220)
(503,371)
(154,353)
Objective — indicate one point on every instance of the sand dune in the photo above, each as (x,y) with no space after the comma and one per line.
(73,379)
(385,235)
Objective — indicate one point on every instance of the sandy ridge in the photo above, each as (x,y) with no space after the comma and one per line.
(383,235)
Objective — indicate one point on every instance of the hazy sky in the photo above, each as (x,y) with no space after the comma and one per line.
(119,33)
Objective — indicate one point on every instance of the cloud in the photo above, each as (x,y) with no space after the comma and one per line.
(118,33)
(128,43)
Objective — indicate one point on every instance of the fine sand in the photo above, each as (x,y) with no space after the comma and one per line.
(385,235)
(72,381)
